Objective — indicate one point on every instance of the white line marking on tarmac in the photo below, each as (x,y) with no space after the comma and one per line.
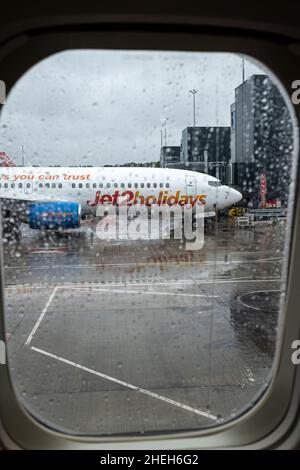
(239,298)
(128,385)
(214,281)
(32,333)
(120,291)
(130,265)
(191,282)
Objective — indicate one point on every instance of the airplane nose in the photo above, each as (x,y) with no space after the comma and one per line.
(235,196)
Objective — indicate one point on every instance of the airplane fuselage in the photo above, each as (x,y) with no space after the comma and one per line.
(90,186)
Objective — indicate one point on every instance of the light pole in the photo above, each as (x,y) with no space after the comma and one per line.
(23,161)
(193,92)
(164,124)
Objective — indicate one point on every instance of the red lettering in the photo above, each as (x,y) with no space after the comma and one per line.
(96,201)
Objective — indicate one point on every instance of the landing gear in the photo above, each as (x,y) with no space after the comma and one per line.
(10,231)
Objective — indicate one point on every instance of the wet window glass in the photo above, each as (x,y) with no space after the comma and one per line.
(148,302)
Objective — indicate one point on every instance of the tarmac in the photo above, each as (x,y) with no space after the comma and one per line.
(139,337)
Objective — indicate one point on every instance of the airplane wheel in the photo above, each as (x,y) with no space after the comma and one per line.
(10,231)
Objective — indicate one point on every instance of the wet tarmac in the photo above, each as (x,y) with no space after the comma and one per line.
(140,337)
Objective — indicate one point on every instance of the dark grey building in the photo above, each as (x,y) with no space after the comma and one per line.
(169,155)
(209,146)
(261,139)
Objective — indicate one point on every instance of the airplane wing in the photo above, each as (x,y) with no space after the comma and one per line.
(16,205)
(33,197)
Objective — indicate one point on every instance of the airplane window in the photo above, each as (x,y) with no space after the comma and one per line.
(12,185)
(121,329)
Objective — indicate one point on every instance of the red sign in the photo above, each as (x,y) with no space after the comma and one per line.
(263,183)
(263,190)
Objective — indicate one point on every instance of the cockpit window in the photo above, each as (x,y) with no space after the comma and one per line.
(214,183)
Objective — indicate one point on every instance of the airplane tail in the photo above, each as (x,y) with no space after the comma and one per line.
(5,160)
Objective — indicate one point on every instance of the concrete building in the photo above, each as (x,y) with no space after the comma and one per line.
(203,149)
(261,139)
(209,146)
(169,155)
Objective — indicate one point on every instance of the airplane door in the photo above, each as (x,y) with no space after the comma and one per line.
(28,187)
(190,185)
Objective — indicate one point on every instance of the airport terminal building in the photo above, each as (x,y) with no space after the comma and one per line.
(258,142)
(261,140)
(203,149)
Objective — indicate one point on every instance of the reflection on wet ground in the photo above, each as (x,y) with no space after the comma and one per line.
(122,337)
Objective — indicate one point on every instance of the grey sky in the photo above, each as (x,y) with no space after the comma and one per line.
(101,107)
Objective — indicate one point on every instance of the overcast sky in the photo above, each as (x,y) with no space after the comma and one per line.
(101,107)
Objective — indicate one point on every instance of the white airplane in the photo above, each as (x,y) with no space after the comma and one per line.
(58,197)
